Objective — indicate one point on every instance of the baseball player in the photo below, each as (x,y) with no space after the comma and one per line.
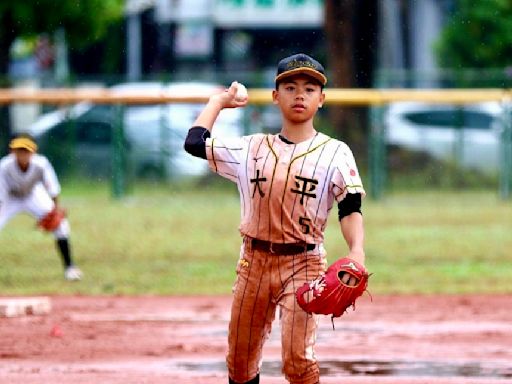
(28,183)
(287,183)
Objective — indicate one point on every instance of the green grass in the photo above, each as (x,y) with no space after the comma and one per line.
(174,240)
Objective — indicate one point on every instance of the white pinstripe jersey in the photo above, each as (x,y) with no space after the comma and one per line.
(20,184)
(286,190)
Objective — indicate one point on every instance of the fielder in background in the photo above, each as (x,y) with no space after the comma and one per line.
(288,183)
(28,183)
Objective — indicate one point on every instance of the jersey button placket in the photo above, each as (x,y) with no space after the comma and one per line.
(284,156)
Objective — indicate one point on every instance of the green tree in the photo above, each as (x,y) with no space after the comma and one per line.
(478,35)
(84,22)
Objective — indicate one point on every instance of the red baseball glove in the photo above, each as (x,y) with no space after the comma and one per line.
(52,219)
(336,290)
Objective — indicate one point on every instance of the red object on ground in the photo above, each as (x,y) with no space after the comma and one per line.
(56,331)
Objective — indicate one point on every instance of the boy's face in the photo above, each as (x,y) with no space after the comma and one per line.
(23,157)
(299,98)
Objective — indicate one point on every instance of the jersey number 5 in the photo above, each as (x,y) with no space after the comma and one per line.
(305,223)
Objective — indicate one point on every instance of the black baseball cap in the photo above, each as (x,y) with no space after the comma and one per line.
(300,63)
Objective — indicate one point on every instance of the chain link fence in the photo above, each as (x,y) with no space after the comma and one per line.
(415,138)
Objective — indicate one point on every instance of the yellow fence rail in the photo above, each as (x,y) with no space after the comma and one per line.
(345,96)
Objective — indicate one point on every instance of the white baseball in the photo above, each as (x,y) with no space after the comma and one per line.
(241,92)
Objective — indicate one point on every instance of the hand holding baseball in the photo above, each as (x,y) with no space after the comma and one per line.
(241,92)
(233,97)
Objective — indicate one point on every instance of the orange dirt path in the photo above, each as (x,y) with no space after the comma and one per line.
(148,339)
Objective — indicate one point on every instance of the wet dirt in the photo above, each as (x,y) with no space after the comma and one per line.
(152,339)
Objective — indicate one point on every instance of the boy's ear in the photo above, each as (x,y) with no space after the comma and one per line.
(322,100)
(275,95)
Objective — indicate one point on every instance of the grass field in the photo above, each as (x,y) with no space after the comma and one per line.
(171,240)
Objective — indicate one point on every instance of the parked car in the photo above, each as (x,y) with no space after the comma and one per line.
(153,134)
(469,135)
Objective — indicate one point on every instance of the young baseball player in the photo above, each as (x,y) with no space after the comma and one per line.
(28,183)
(288,183)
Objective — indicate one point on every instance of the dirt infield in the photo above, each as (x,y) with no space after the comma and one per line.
(394,339)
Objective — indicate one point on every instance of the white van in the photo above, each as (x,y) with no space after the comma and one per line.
(467,134)
(153,134)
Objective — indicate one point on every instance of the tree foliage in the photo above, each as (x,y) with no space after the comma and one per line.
(84,21)
(477,35)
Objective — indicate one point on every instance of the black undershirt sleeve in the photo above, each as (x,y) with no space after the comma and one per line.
(195,143)
(350,204)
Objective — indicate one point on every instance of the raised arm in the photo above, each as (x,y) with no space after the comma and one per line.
(217,103)
(196,138)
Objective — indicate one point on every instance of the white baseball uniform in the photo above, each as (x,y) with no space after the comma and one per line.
(286,192)
(30,191)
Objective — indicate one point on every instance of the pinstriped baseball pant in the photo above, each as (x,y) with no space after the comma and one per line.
(264,282)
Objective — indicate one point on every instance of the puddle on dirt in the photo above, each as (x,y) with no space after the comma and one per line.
(376,368)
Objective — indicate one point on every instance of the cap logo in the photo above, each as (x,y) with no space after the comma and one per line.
(300,64)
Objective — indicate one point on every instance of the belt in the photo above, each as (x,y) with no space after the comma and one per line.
(280,248)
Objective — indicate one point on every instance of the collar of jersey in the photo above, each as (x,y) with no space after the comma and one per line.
(287,141)
(318,135)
